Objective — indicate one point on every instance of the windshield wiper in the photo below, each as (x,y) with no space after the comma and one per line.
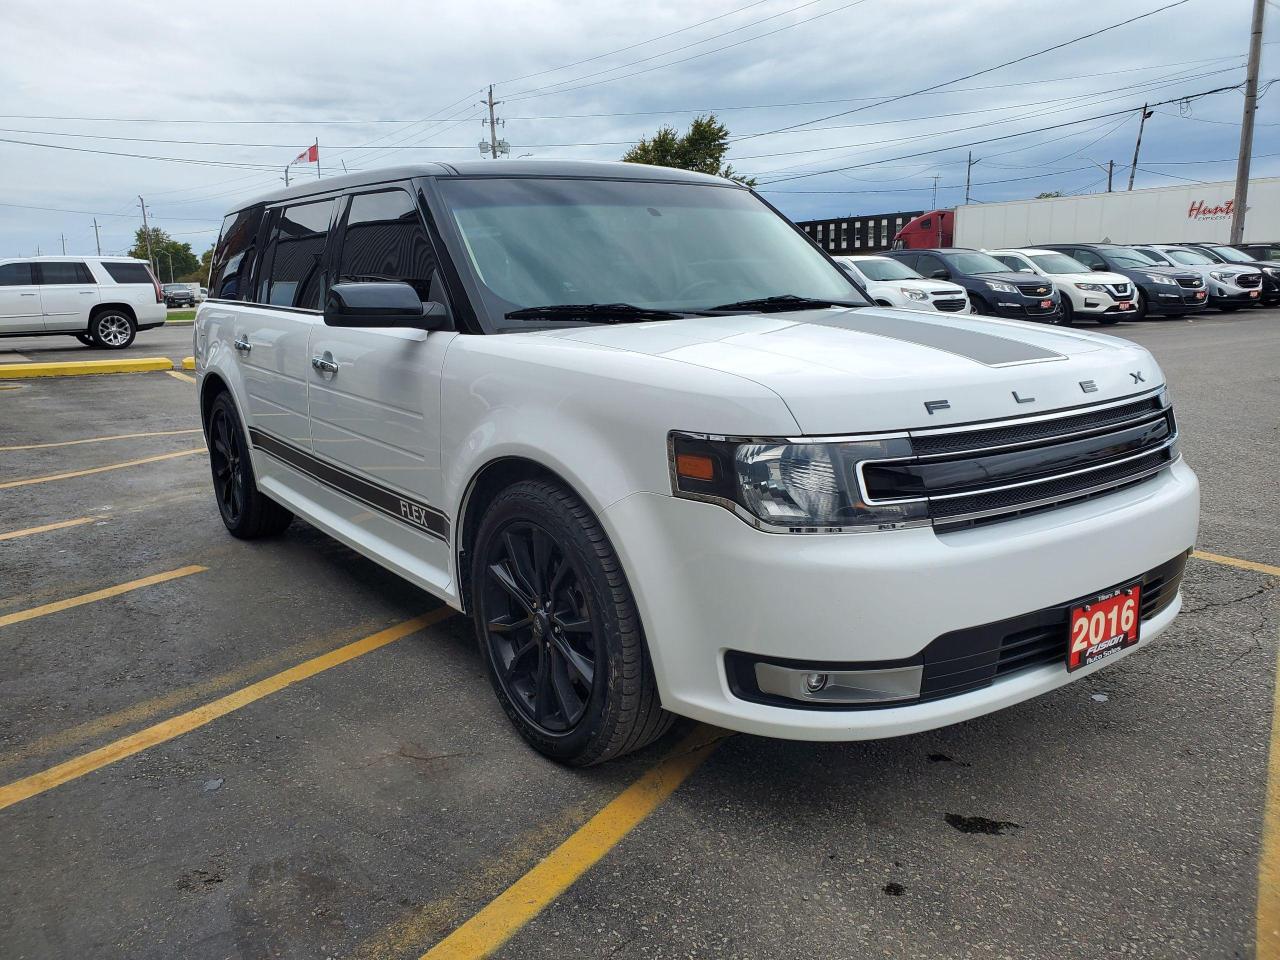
(783,303)
(593,313)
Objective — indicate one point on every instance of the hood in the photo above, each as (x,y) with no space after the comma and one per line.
(1185,272)
(1093,276)
(928,286)
(1012,277)
(875,369)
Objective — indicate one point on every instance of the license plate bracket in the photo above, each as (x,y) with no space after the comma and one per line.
(1104,625)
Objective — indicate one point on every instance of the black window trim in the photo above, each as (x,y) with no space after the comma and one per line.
(264,260)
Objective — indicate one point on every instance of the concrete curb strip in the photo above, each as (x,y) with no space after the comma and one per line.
(81,368)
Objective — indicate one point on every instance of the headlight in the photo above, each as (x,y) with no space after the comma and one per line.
(1223,277)
(1090,286)
(1001,286)
(1157,278)
(1272,271)
(914,294)
(790,486)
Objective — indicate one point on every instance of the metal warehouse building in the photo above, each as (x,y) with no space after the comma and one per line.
(864,234)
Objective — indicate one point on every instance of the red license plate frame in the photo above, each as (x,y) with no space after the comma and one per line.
(1103,626)
(1200,294)
(1046,304)
(1126,304)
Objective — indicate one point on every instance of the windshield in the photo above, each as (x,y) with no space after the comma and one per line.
(976,263)
(536,242)
(1059,263)
(1129,257)
(1232,254)
(885,270)
(1189,257)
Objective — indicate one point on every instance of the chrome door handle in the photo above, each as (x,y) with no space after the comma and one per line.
(323,365)
(26,294)
(243,345)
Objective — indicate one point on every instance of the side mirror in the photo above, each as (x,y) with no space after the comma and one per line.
(1100,268)
(384,304)
(940,275)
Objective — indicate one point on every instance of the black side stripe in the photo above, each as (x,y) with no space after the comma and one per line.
(421,516)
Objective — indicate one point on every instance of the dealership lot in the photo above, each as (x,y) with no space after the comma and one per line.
(374,805)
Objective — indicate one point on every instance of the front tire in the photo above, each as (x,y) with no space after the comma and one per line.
(246,512)
(86,339)
(1068,314)
(979,305)
(558,628)
(1139,303)
(112,329)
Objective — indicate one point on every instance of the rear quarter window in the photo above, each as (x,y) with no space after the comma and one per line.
(15,275)
(128,272)
(231,273)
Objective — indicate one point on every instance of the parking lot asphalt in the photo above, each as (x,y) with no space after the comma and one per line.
(188,769)
(172,341)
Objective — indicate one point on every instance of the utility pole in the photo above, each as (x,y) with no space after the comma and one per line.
(286,174)
(1241,198)
(933,205)
(146,232)
(967,170)
(169,254)
(1146,114)
(63,237)
(97,240)
(493,124)
(1111,170)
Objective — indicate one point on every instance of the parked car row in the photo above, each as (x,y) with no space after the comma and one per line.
(1062,283)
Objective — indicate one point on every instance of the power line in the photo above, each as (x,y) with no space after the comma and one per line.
(998,66)
(137,156)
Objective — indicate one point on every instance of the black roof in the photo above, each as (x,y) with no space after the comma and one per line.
(586,169)
(938,250)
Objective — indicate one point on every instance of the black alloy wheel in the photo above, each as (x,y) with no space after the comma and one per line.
(246,512)
(542,640)
(558,629)
(1066,312)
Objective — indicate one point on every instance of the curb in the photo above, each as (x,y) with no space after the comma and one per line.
(81,368)
(188,363)
(180,323)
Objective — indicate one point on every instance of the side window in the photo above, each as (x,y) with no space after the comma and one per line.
(231,270)
(51,273)
(928,265)
(385,240)
(910,259)
(128,272)
(15,275)
(1088,258)
(295,256)
(1016,264)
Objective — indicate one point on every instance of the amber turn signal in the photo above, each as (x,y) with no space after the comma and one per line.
(695,466)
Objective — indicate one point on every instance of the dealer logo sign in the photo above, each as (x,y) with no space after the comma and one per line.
(1199,210)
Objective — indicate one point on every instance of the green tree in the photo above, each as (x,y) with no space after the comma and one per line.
(702,149)
(171,258)
(200,274)
(1049,194)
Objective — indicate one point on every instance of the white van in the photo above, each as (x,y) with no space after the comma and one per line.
(101,301)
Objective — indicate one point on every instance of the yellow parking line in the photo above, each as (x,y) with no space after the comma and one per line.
(1235,562)
(181,376)
(60,605)
(1268,947)
(118,436)
(10,484)
(497,922)
(60,525)
(167,730)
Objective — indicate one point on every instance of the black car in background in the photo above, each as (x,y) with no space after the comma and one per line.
(1223,253)
(1161,291)
(1261,252)
(993,288)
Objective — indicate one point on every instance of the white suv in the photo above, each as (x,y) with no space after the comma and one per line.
(893,284)
(670,461)
(101,301)
(1099,295)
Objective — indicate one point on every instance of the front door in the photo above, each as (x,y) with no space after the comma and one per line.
(19,299)
(374,393)
(68,293)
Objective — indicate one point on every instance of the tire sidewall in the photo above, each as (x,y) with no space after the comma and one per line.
(223,404)
(104,314)
(528,502)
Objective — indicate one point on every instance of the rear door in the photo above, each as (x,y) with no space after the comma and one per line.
(269,335)
(19,299)
(377,415)
(68,293)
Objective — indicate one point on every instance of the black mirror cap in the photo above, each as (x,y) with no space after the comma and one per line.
(1100,268)
(940,275)
(382,304)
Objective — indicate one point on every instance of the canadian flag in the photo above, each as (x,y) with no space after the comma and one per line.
(309,155)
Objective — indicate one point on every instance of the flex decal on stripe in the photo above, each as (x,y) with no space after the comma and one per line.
(421,516)
(985,348)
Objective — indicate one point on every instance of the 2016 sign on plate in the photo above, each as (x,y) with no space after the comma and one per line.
(1104,626)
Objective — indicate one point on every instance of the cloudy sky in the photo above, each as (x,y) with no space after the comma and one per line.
(236,89)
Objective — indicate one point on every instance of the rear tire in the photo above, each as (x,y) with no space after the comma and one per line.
(112,329)
(980,306)
(558,629)
(246,512)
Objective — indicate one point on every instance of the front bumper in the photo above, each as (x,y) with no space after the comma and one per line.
(1174,301)
(1020,308)
(706,583)
(1233,296)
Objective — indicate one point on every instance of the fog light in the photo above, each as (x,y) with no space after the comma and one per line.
(813,682)
(853,686)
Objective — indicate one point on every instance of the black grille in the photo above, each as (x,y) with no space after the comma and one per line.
(965,660)
(1191,283)
(1249,281)
(949,306)
(1035,289)
(1120,289)
(981,439)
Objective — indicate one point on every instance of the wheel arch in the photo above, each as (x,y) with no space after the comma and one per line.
(123,307)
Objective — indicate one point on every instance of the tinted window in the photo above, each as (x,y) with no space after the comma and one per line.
(975,263)
(1015,264)
(233,258)
(65,273)
(385,240)
(1130,257)
(15,274)
(1155,256)
(128,272)
(928,265)
(887,270)
(295,258)
(1058,263)
(1189,257)
(1230,253)
(910,259)
(1088,258)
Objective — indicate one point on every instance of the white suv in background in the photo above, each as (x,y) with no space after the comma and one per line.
(1100,295)
(101,301)
(893,284)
